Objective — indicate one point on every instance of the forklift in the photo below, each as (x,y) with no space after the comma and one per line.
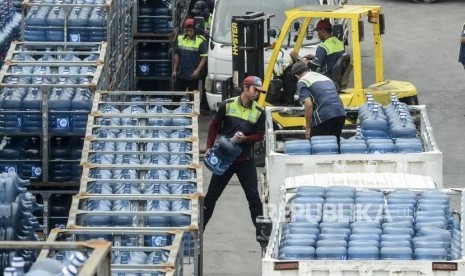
(248,37)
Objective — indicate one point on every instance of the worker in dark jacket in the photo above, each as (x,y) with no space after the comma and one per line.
(189,58)
(324,111)
(242,119)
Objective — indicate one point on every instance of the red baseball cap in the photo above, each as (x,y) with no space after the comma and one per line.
(255,81)
(323,24)
(188,23)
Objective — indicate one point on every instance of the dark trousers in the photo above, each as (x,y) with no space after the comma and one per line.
(182,85)
(332,126)
(247,174)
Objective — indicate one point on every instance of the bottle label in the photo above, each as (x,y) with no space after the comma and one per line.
(62,122)
(75,37)
(36,171)
(158,241)
(213,159)
(11,169)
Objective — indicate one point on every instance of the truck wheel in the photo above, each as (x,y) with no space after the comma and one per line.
(260,153)
(410,100)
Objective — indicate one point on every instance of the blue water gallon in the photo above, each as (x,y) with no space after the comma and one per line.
(297,147)
(374,224)
(59,116)
(374,125)
(430,254)
(331,253)
(32,119)
(363,243)
(353,147)
(222,155)
(396,253)
(183,113)
(363,253)
(299,242)
(367,230)
(330,230)
(297,253)
(331,243)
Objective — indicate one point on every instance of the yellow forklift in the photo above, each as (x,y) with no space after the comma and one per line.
(301,22)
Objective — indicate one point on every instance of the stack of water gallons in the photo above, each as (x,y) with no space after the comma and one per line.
(141,177)
(81,21)
(18,223)
(341,223)
(62,77)
(10,25)
(154,17)
(388,129)
(157,25)
(382,130)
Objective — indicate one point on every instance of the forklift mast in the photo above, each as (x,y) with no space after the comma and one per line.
(248,44)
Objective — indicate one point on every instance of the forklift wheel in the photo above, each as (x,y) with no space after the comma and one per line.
(410,100)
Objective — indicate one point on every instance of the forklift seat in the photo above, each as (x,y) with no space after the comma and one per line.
(341,71)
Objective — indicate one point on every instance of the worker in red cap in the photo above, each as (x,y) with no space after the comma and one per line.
(190,56)
(241,119)
(327,53)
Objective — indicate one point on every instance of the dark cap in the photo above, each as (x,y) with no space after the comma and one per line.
(188,23)
(255,81)
(323,24)
(299,68)
(200,6)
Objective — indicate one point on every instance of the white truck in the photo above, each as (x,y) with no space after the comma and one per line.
(385,182)
(220,51)
(280,165)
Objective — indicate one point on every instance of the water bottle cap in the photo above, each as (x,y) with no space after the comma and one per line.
(17,262)
(70,270)
(78,259)
(9,271)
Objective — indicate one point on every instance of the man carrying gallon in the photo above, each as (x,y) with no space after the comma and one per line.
(241,119)
(324,111)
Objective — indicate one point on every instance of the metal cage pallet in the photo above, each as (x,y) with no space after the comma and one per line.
(383,182)
(79,214)
(56,207)
(144,98)
(123,79)
(172,13)
(112,30)
(43,82)
(97,78)
(98,261)
(172,265)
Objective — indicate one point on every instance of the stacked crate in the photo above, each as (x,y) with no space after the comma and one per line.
(81,21)
(133,191)
(157,23)
(97,252)
(10,25)
(46,96)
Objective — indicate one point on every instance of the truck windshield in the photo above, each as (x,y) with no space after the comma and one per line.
(225,9)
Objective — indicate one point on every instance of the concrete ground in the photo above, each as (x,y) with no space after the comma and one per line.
(421,45)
